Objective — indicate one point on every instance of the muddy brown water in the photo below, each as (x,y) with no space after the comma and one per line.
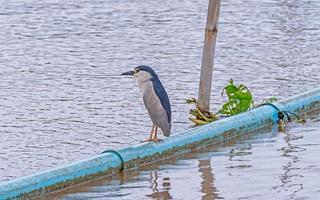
(62,99)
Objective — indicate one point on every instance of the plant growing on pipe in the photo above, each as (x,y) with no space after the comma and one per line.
(239,100)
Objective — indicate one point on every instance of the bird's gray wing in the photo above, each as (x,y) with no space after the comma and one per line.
(156,112)
(163,96)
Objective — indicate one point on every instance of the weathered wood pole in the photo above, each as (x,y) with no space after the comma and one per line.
(208,55)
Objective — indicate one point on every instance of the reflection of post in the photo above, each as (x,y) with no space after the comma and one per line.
(207,185)
(154,180)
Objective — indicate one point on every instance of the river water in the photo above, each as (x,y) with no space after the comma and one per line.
(61,96)
(265,165)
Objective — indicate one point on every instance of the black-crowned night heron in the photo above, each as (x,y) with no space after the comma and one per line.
(155,99)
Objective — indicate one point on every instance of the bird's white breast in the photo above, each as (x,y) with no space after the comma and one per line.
(144,82)
(145,86)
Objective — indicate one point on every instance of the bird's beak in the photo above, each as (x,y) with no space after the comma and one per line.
(131,73)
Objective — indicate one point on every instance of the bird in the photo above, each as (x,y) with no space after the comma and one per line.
(155,99)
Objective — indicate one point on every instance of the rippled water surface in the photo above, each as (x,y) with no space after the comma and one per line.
(61,96)
(267,165)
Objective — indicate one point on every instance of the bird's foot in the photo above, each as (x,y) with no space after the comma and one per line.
(156,140)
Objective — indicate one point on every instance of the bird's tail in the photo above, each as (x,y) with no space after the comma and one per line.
(167,131)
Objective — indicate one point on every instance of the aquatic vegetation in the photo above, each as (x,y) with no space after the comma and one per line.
(240,99)
(270,100)
(202,117)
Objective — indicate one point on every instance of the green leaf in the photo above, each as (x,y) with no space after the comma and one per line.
(239,99)
(231,90)
(225,109)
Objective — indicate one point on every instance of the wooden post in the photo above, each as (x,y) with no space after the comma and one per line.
(208,55)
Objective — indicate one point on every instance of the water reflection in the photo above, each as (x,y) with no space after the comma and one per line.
(254,163)
(238,156)
(156,193)
(208,189)
(290,179)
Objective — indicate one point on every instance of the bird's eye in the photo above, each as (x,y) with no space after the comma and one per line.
(136,70)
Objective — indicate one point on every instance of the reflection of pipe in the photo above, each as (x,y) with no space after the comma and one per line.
(207,185)
(109,163)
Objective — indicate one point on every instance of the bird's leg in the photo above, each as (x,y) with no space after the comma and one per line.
(155,133)
(155,139)
(151,134)
(152,131)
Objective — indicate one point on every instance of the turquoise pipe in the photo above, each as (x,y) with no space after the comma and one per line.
(112,162)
